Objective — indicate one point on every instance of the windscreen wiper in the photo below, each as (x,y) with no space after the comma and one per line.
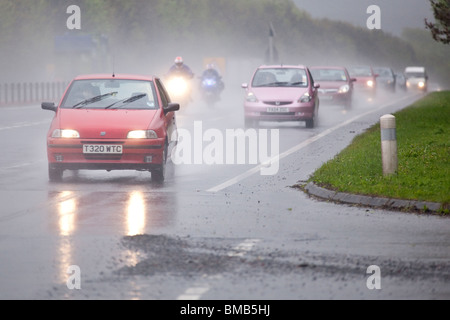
(275,84)
(127,100)
(93,99)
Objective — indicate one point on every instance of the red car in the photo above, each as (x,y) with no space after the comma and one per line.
(336,85)
(366,80)
(111,122)
(281,93)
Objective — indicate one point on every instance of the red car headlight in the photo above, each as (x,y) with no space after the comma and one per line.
(65,133)
(142,134)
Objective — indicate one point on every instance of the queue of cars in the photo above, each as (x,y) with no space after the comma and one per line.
(127,122)
(294,93)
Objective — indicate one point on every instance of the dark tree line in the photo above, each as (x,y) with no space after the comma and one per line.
(155,31)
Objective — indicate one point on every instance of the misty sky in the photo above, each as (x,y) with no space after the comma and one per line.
(395,14)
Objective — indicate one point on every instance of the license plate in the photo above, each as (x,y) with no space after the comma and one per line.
(277,109)
(102,149)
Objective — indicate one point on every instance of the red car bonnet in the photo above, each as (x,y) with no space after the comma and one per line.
(115,123)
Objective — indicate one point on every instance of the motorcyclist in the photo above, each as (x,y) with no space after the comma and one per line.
(178,80)
(179,68)
(212,73)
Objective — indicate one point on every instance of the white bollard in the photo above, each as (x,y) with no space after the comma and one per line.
(388,144)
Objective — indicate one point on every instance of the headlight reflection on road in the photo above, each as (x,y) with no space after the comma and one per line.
(67,207)
(66,213)
(136,210)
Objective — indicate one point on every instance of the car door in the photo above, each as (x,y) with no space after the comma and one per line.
(170,119)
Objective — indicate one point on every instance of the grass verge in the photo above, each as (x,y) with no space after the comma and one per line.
(423,144)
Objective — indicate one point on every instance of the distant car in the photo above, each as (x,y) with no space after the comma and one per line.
(401,80)
(111,122)
(386,78)
(281,93)
(336,85)
(416,78)
(365,83)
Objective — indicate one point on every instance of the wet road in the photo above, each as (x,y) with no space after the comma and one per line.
(219,231)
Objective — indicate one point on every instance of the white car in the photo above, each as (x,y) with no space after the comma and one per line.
(416,78)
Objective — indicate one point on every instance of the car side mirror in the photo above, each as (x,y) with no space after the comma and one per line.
(244,85)
(172,107)
(316,86)
(49,106)
(353,80)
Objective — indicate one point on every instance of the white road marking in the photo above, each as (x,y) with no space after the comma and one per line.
(242,248)
(194,293)
(296,148)
(19,165)
(24,124)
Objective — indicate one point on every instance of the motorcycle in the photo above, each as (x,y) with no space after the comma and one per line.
(179,89)
(210,88)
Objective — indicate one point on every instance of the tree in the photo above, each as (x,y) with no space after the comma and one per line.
(441,29)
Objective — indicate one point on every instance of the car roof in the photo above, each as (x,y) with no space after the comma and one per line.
(415,69)
(287,66)
(361,66)
(110,76)
(328,67)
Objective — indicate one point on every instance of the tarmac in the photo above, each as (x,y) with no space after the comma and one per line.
(371,201)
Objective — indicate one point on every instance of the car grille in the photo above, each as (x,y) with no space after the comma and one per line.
(103,142)
(328,90)
(277,103)
(102,156)
(278,113)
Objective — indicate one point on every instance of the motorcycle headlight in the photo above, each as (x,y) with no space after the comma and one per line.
(65,133)
(142,134)
(178,85)
(209,82)
(306,97)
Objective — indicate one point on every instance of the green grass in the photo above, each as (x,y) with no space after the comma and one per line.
(423,143)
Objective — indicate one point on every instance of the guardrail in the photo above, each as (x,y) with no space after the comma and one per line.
(31,92)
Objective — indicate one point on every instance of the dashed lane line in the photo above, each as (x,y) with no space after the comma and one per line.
(298,147)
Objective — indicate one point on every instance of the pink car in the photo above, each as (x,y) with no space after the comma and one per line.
(336,85)
(281,93)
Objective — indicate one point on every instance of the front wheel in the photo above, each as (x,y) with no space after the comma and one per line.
(310,123)
(250,123)
(159,174)
(348,104)
(54,174)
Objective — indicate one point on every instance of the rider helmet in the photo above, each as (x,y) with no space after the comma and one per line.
(178,61)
